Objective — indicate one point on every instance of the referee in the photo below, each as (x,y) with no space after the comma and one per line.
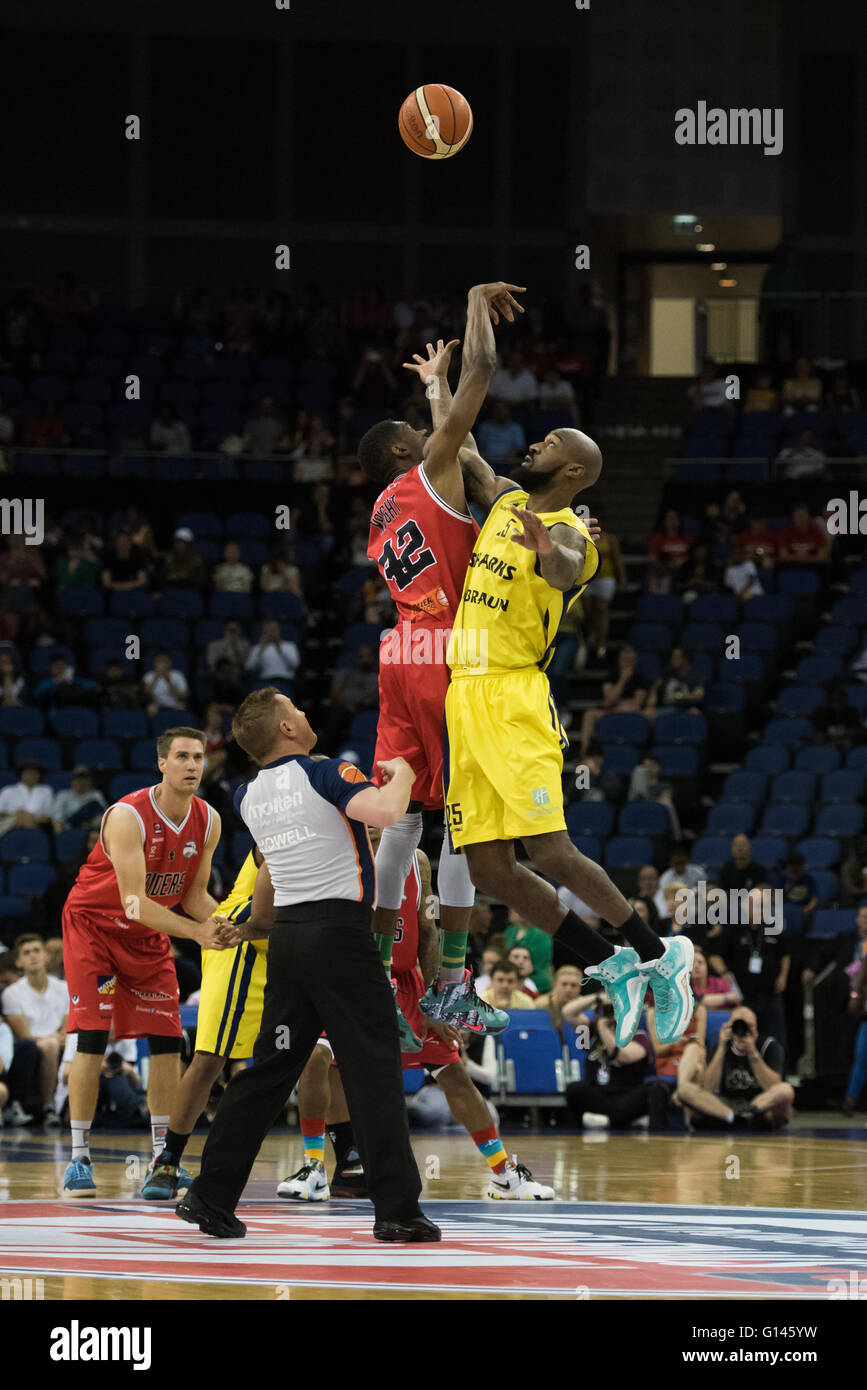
(308,817)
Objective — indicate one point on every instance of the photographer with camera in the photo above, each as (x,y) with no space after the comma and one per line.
(613,1083)
(742,1084)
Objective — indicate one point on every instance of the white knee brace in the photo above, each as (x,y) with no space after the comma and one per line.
(394,859)
(454,885)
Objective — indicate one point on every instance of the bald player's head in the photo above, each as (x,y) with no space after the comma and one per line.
(565,461)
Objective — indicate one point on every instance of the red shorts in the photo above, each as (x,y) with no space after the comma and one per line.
(114,981)
(434,1052)
(412,703)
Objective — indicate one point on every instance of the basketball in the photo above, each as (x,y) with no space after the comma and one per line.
(435,121)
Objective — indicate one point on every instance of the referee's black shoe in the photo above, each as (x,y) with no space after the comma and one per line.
(208,1219)
(417,1228)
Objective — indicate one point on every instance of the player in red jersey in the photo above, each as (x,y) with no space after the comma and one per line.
(421,538)
(154,854)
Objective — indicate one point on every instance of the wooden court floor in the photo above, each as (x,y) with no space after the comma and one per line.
(636,1215)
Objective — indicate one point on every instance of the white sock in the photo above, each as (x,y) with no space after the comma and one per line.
(730,1117)
(80,1140)
(159,1125)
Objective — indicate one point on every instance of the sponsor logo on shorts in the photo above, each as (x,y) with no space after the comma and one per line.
(148,994)
(75,998)
(106,984)
(162,1013)
(540,796)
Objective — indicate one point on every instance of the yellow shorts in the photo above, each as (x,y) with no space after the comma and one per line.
(503,763)
(230,1006)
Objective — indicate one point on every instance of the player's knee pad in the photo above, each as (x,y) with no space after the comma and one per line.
(394,859)
(160,1044)
(92,1041)
(454,885)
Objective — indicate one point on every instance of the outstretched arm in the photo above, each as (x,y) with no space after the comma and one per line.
(561,550)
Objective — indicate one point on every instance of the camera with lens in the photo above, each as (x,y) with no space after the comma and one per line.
(740,1028)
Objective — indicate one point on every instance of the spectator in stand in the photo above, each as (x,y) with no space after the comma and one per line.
(803,390)
(75,569)
(670,546)
(514,384)
(523,962)
(169,433)
(311,450)
(840,396)
(699,576)
(232,647)
(740,871)
(46,431)
(19,1071)
(596,599)
(758,542)
(7,426)
(141,533)
(119,687)
(215,742)
(715,534)
(12,684)
(504,991)
(124,566)
(673,920)
(742,575)
(36,1007)
(592,783)
(63,688)
(743,1084)
(650,891)
(682,870)
(645,784)
(564,991)
(353,689)
(280,575)
(182,567)
(762,396)
(164,687)
(81,805)
(54,956)
(264,429)
(227,687)
(799,887)
(556,393)
(624,692)
(502,439)
(232,576)
(537,942)
(803,459)
(27,804)
(490,957)
(614,1080)
(734,512)
(374,383)
(759,961)
(837,721)
(682,687)
(22,566)
(853,875)
(272,658)
(708,391)
(9,623)
(804,542)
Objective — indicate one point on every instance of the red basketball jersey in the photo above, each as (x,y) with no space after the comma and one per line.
(422,547)
(405,952)
(172,857)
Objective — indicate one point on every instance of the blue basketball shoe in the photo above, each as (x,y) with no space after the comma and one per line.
(671,986)
(78,1179)
(626,985)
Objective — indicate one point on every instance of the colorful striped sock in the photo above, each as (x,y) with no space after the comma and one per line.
(453,958)
(490,1146)
(385,946)
(313,1132)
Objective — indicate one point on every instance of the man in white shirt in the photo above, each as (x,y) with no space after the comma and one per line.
(27,804)
(682,871)
(36,1007)
(742,576)
(164,687)
(272,658)
(648,887)
(802,459)
(515,384)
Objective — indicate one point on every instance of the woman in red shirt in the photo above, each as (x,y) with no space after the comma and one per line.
(670,546)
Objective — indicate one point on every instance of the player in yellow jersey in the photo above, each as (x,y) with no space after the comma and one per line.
(504,743)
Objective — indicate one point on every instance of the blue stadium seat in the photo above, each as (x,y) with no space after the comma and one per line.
(769,608)
(794,786)
(703,637)
(227,605)
(800,701)
(820,760)
(623,728)
(726,698)
(19,846)
(848,612)
(769,850)
(532,1047)
(648,665)
(8,779)
(413,1079)
(103,754)
(134,604)
(768,758)
(590,818)
(744,786)
(362,635)
(252,524)
(819,670)
(835,640)
(57,781)
(181,603)
(21,722)
(650,637)
(81,603)
(12,908)
(790,732)
(827,886)
(716,1021)
(829,922)
(620,758)
(787,820)
(166,632)
(676,759)
(798,583)
(364,725)
(857,697)
(76,721)
(660,608)
(677,728)
(122,783)
(106,632)
(748,669)
(702,447)
(644,818)
(842,786)
(628,852)
(285,607)
(589,846)
(758,637)
(42,657)
(125,723)
(172,718)
(858,582)
(143,756)
(69,845)
(820,852)
(711,851)
(856,759)
(46,751)
(843,819)
(760,422)
(575,1053)
(30,880)
(201,523)
(714,608)
(735,819)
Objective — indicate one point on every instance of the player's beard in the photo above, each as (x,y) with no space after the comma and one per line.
(531,479)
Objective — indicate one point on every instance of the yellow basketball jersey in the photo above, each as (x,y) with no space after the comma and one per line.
(238,905)
(509,615)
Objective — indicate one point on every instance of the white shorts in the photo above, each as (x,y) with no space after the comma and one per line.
(602,588)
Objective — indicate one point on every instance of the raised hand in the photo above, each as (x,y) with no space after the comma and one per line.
(437,363)
(535,535)
(498,297)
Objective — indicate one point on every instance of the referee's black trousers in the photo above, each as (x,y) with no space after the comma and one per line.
(324,972)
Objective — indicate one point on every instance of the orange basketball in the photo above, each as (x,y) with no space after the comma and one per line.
(435,121)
